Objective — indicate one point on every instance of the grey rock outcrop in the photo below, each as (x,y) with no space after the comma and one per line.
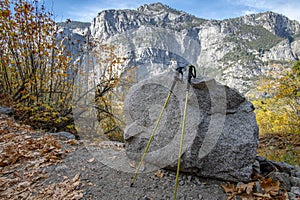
(64,135)
(6,111)
(221,134)
(74,36)
(296,47)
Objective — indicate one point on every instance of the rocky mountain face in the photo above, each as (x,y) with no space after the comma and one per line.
(155,38)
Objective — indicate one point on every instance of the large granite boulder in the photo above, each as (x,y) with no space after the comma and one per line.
(221,133)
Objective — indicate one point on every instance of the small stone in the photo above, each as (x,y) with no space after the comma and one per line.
(6,111)
(197,180)
(258,187)
(295,190)
(292,196)
(181,182)
(295,181)
(256,167)
(284,179)
(64,135)
(61,167)
(297,171)
(146,198)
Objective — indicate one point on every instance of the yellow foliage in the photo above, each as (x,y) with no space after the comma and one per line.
(279,110)
(114,81)
(278,114)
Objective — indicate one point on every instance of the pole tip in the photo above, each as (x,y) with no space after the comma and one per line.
(131,185)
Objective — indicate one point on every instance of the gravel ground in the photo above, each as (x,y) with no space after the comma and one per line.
(99,181)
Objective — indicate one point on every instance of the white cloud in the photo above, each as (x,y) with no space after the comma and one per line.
(248,12)
(289,8)
(85,14)
(291,11)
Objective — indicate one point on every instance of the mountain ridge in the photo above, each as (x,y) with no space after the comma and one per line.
(237,51)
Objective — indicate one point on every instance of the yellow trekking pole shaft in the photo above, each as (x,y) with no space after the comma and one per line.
(181,143)
(151,136)
(191,74)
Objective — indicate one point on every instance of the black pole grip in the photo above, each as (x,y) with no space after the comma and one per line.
(192,73)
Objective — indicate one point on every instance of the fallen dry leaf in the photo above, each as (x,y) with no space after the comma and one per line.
(262,195)
(245,188)
(91,160)
(72,142)
(132,164)
(159,174)
(229,188)
(113,157)
(270,187)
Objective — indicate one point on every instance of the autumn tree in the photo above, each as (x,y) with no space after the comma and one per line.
(278,110)
(36,70)
(278,115)
(112,81)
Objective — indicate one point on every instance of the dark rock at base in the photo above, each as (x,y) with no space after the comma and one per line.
(283,172)
(6,111)
(268,166)
(295,181)
(64,135)
(285,180)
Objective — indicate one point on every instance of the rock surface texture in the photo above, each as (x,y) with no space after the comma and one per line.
(221,134)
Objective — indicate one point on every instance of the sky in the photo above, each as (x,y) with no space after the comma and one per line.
(86,10)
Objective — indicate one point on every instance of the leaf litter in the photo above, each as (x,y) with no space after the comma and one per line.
(24,154)
(264,189)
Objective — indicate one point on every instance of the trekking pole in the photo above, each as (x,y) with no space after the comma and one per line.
(191,74)
(179,71)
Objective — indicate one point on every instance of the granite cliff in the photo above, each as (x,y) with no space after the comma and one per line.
(155,37)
